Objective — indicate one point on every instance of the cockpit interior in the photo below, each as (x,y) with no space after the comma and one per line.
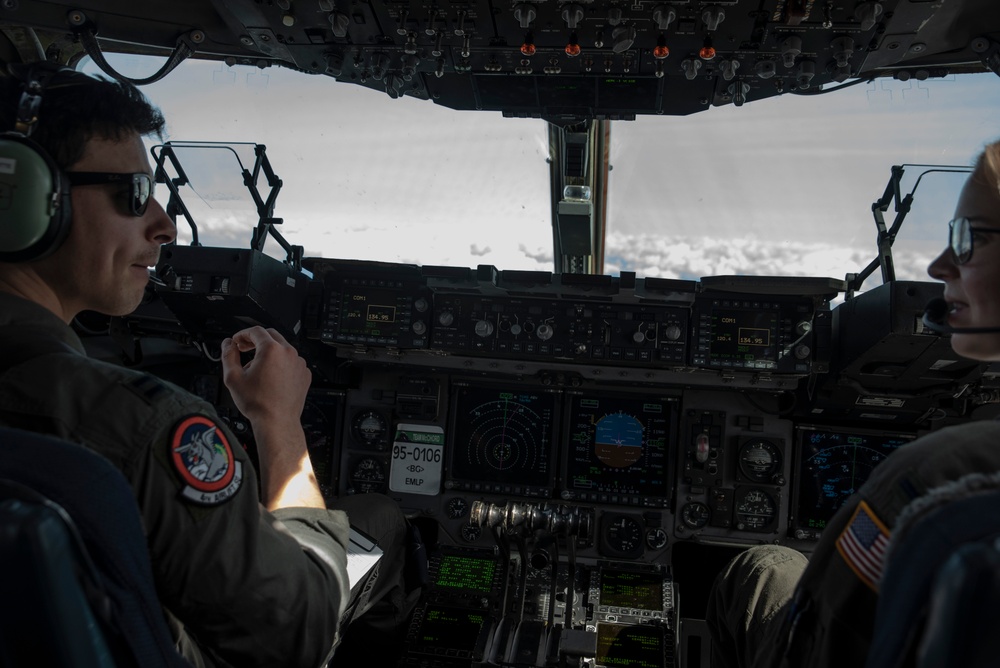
(581,450)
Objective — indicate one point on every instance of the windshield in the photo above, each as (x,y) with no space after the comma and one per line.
(780,186)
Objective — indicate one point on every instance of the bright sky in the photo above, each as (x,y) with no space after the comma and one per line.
(782,186)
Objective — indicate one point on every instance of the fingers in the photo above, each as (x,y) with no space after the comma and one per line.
(251,339)
(271,389)
(254,337)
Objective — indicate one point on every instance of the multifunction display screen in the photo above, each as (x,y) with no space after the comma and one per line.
(503,438)
(618,448)
(466,572)
(833,465)
(637,591)
(631,646)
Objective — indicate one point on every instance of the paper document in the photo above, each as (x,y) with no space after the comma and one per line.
(362,555)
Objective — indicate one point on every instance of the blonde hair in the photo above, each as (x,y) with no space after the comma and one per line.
(987,168)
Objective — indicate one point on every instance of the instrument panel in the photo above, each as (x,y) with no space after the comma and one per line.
(565,61)
(579,450)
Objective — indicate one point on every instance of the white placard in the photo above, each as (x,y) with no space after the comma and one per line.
(417,459)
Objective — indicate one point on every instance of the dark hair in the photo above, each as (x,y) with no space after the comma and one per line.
(75,108)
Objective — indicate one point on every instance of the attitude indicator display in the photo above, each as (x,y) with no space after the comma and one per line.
(618,449)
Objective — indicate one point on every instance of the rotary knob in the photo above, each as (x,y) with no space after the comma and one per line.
(484,328)
(446,318)
(544,332)
(673,332)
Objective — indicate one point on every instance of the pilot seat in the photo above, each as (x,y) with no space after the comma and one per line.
(76,588)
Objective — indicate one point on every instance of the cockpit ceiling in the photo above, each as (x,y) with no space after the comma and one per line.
(563,61)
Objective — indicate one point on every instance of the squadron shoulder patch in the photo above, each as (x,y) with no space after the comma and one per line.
(203,458)
(862,544)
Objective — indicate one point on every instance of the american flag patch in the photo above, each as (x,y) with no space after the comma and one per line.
(862,545)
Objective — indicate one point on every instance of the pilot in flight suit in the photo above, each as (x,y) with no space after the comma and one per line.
(242,586)
(786,613)
(771,609)
(237,578)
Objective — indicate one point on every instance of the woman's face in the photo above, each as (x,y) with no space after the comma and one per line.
(972,289)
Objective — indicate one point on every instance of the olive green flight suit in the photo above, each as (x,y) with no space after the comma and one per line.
(249,587)
(771,610)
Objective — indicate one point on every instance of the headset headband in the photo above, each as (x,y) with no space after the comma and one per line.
(36,216)
(34,79)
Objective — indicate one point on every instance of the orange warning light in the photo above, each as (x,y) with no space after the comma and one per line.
(572,50)
(660,51)
(527,49)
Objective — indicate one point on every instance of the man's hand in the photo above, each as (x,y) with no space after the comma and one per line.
(273,385)
(270,390)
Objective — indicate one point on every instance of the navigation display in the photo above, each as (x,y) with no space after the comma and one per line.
(832,465)
(503,440)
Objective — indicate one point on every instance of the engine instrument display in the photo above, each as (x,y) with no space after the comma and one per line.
(832,465)
(618,449)
(503,440)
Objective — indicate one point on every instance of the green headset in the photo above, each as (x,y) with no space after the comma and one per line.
(35,210)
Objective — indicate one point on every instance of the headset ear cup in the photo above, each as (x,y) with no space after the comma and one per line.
(34,201)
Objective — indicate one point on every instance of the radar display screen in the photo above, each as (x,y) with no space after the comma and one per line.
(635,646)
(503,438)
(626,589)
(618,447)
(466,572)
(832,465)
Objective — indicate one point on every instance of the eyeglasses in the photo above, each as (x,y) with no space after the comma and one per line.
(140,186)
(960,235)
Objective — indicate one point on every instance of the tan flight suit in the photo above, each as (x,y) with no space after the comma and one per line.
(763,618)
(251,588)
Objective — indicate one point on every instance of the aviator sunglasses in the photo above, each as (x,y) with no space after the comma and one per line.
(960,234)
(140,187)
